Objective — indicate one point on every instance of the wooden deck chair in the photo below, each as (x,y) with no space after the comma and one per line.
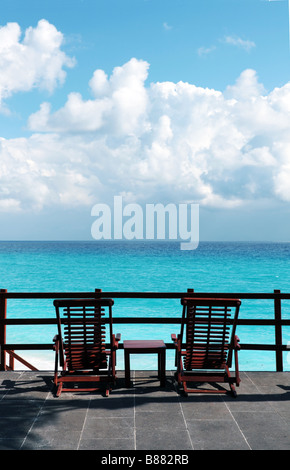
(209,345)
(81,349)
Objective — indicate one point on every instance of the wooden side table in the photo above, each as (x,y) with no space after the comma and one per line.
(145,347)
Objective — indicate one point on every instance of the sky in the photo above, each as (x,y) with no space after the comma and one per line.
(176,101)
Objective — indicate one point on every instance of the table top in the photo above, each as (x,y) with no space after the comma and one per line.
(144,344)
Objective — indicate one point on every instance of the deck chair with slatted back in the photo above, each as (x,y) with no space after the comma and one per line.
(81,349)
(210,342)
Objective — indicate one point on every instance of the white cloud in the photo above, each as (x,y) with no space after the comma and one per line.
(246,87)
(203,51)
(243,43)
(164,142)
(119,105)
(34,61)
(167,26)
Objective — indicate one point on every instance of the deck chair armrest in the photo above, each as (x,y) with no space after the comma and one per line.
(56,341)
(176,340)
(58,348)
(236,342)
(116,339)
(174,337)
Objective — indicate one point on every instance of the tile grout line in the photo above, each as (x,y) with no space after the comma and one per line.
(179,401)
(237,424)
(234,417)
(84,423)
(34,421)
(24,440)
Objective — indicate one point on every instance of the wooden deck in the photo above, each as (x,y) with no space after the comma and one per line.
(144,417)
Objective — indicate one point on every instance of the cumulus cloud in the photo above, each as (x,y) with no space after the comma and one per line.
(163,142)
(34,61)
(119,104)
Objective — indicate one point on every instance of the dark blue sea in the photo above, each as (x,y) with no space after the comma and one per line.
(145,266)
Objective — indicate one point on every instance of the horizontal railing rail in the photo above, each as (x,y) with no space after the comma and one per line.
(277,321)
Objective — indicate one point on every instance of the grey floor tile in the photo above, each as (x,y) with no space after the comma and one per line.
(161,421)
(51,440)
(267,379)
(166,439)
(10,444)
(107,444)
(204,407)
(23,408)
(264,431)
(60,421)
(16,427)
(216,435)
(100,428)
(113,406)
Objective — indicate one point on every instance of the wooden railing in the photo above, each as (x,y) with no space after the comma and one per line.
(277,321)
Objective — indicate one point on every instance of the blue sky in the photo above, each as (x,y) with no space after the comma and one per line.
(157,101)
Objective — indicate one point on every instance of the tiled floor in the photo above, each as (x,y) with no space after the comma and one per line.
(144,417)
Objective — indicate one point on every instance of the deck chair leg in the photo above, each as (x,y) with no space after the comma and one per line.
(108,390)
(179,369)
(59,389)
(55,371)
(56,348)
(233,391)
(185,389)
(232,386)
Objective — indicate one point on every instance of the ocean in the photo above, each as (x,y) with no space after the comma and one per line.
(160,266)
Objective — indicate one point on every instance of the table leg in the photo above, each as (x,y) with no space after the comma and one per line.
(159,365)
(161,368)
(127,369)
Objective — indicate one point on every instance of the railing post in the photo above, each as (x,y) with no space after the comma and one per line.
(278,331)
(11,361)
(3,313)
(98,293)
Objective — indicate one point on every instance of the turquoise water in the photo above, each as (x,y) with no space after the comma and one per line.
(145,266)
